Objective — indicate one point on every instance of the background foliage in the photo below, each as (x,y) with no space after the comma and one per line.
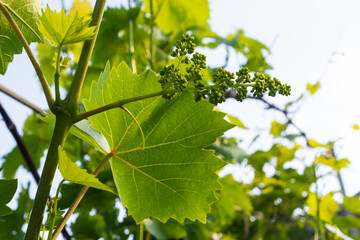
(281,203)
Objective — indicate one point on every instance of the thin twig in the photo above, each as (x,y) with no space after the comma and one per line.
(20,99)
(44,83)
(20,143)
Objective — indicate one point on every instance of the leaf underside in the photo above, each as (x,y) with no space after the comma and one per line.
(171,176)
(25,14)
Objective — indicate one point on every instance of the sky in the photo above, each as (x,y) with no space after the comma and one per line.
(310,41)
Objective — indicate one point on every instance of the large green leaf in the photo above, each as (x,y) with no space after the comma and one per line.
(63,29)
(25,14)
(178,16)
(171,176)
(72,173)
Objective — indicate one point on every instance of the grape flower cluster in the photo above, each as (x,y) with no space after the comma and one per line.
(173,80)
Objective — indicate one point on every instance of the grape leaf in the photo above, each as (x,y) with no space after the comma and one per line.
(72,173)
(171,176)
(25,14)
(63,29)
(178,16)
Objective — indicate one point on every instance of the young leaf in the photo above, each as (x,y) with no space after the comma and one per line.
(7,191)
(25,14)
(313,88)
(333,162)
(172,176)
(72,173)
(236,121)
(63,29)
(277,128)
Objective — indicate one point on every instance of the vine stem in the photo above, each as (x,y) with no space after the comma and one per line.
(57,77)
(152,36)
(131,40)
(73,96)
(20,99)
(61,130)
(140,231)
(79,198)
(122,102)
(44,83)
(119,103)
(63,124)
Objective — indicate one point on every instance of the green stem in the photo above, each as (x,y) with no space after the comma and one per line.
(79,197)
(131,41)
(320,226)
(152,36)
(57,77)
(44,83)
(55,210)
(73,97)
(122,102)
(21,99)
(119,103)
(140,231)
(62,127)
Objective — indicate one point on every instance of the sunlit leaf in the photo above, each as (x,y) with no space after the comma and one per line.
(61,29)
(352,204)
(25,14)
(333,162)
(81,7)
(277,128)
(236,121)
(173,164)
(72,173)
(178,16)
(313,88)
(315,144)
(328,207)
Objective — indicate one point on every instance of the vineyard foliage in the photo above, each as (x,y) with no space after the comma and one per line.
(135,122)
